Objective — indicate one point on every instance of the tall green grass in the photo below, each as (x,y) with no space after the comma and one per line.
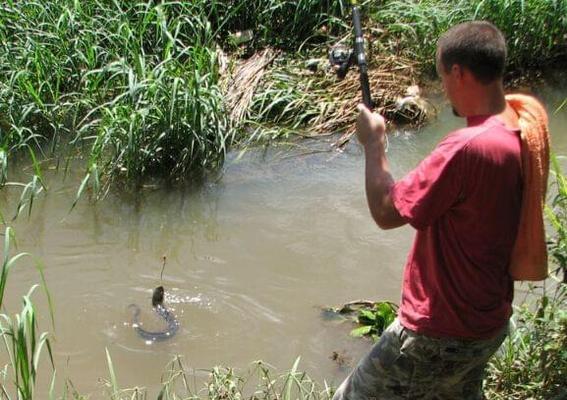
(532,362)
(556,213)
(24,345)
(282,23)
(535,30)
(132,86)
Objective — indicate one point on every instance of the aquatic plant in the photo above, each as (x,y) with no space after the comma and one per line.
(373,321)
(372,317)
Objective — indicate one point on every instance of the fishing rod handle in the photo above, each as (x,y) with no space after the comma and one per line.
(361,58)
(356,21)
(365,85)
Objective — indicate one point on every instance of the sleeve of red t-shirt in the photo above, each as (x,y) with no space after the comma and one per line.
(430,190)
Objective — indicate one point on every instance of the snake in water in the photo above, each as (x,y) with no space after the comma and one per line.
(162,311)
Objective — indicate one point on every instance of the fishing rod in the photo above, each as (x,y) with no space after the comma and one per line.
(344,58)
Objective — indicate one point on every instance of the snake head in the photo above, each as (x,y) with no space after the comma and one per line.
(157,297)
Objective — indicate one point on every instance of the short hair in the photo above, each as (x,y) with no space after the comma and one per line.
(477,45)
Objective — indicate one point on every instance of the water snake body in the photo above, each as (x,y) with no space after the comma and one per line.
(162,311)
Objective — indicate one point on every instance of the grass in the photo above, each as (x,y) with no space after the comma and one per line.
(556,213)
(532,362)
(23,343)
(136,92)
(534,29)
(284,24)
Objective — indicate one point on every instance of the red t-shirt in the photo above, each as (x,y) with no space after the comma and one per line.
(464,200)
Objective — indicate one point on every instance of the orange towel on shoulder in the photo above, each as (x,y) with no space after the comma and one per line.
(529,255)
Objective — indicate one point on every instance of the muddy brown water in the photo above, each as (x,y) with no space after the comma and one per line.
(249,261)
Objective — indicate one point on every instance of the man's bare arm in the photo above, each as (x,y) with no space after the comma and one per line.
(370,130)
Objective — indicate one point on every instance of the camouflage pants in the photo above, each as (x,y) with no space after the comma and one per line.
(406,365)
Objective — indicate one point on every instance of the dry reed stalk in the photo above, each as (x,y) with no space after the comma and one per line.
(331,102)
(390,77)
(245,79)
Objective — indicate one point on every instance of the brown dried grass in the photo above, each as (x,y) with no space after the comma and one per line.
(332,101)
(244,81)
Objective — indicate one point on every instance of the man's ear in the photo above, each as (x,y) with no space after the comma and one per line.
(458,72)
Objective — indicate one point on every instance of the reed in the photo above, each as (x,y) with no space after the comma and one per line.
(534,29)
(133,87)
(556,213)
(132,84)
(23,343)
(136,90)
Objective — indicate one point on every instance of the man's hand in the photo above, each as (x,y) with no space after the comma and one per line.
(370,127)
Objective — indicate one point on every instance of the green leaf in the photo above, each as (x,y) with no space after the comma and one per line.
(113,381)
(361,331)
(366,315)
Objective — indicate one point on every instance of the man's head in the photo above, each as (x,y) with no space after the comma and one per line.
(469,54)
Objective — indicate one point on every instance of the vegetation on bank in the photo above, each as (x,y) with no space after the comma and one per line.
(135,88)
(535,30)
(132,85)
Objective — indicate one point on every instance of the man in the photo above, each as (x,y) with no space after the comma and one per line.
(464,201)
